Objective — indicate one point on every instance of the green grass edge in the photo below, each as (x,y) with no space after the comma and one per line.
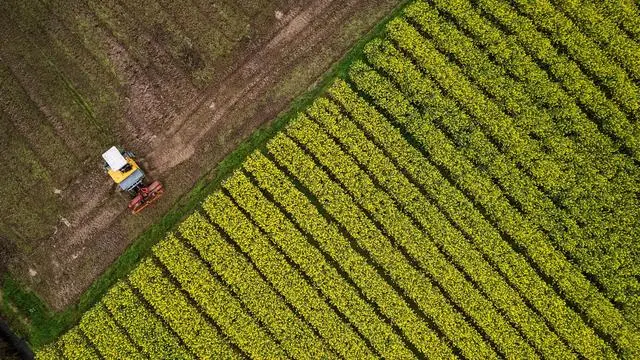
(47,325)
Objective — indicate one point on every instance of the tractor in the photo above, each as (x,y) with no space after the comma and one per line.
(124,171)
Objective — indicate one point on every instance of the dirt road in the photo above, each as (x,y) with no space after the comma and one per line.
(302,41)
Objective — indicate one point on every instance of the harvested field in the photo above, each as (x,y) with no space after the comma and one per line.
(179,83)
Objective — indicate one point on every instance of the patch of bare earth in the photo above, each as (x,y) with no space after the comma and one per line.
(261,81)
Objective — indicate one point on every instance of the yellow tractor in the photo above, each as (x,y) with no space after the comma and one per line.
(124,171)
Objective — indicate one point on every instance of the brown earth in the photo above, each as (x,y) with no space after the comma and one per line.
(182,128)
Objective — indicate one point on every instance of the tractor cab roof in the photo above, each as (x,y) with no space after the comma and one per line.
(114,158)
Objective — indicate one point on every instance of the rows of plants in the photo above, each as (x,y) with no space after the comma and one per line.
(416,243)
(512,58)
(285,278)
(293,334)
(215,300)
(417,286)
(600,29)
(466,136)
(75,345)
(545,211)
(495,123)
(518,99)
(623,13)
(443,233)
(201,336)
(331,239)
(508,219)
(49,352)
(314,265)
(536,205)
(145,329)
(557,27)
(565,70)
(457,207)
(616,175)
(608,202)
(109,339)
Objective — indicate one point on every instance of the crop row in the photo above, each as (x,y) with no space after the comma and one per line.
(462,212)
(313,264)
(517,98)
(593,257)
(49,352)
(284,277)
(108,338)
(615,175)
(508,220)
(215,300)
(492,164)
(295,337)
(512,58)
(577,84)
(417,244)
(561,30)
(480,68)
(605,32)
(472,141)
(331,240)
(624,13)
(495,123)
(144,327)
(74,345)
(200,336)
(534,203)
(407,195)
(482,152)
(429,299)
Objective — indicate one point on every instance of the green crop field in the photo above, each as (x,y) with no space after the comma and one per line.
(470,187)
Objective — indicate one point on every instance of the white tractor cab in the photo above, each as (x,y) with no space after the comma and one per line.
(126,173)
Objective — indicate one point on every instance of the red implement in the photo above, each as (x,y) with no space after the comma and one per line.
(146,196)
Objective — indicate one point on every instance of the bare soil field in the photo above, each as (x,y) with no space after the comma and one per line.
(179,83)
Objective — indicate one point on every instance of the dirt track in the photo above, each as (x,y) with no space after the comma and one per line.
(265,76)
